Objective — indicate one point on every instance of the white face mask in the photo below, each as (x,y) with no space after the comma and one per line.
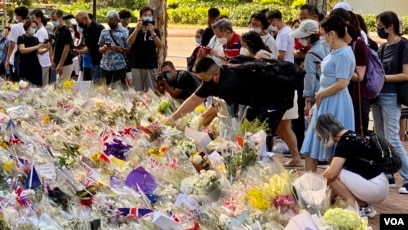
(32,31)
(79,29)
(244,51)
(56,23)
(329,143)
(303,42)
(274,28)
(222,41)
(256,29)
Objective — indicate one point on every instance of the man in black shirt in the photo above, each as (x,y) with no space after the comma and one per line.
(92,31)
(145,39)
(62,61)
(179,84)
(269,98)
(213,15)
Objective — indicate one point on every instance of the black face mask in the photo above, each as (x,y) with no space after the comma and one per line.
(112,25)
(211,84)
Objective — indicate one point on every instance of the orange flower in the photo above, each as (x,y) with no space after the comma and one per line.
(164,148)
(240,140)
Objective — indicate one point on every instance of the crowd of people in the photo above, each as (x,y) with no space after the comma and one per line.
(333,51)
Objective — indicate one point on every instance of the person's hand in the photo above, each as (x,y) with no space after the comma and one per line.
(139,25)
(311,111)
(59,69)
(115,48)
(318,99)
(169,121)
(308,106)
(302,65)
(150,28)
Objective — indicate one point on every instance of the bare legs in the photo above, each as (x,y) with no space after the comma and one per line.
(288,136)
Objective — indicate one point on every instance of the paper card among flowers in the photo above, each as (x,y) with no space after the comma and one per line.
(302,221)
(165,223)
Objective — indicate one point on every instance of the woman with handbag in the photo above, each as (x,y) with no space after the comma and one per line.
(387,106)
(113,47)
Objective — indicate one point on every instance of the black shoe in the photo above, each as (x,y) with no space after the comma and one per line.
(391,182)
(323,164)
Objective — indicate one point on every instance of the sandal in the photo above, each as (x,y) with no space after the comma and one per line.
(292,164)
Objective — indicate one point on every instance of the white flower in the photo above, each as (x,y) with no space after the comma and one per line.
(197,159)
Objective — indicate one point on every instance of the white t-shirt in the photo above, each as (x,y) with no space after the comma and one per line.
(217,47)
(363,35)
(44,58)
(16,31)
(271,44)
(284,42)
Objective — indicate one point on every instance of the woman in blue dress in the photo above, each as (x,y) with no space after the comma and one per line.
(333,96)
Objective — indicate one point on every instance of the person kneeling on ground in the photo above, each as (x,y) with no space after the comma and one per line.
(179,84)
(348,177)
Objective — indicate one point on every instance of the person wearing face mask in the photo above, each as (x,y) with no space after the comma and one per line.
(179,84)
(92,31)
(269,98)
(20,14)
(29,47)
(62,61)
(225,36)
(284,42)
(386,108)
(348,177)
(333,96)
(124,16)
(212,16)
(42,36)
(144,42)
(259,23)
(193,57)
(113,46)
(308,35)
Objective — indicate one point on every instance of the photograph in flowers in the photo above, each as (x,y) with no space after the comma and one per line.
(109,159)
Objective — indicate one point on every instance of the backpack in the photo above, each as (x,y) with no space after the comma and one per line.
(387,159)
(375,75)
(192,59)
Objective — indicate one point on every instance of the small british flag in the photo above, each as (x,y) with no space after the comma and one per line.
(91,172)
(153,163)
(131,132)
(135,212)
(15,140)
(171,162)
(87,181)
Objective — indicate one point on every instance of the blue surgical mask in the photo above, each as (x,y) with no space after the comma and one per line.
(147,18)
(56,23)
(168,76)
(381,33)
(32,31)
(198,40)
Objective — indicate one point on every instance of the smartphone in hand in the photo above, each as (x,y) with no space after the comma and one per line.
(108,44)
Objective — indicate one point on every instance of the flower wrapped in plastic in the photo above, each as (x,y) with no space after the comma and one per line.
(343,219)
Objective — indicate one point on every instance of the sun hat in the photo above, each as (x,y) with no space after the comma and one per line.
(306,28)
(343,5)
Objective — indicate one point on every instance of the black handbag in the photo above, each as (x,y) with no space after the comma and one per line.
(402,92)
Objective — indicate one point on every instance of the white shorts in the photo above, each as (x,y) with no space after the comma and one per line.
(292,113)
(373,191)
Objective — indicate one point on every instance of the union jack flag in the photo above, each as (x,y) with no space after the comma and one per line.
(10,125)
(21,162)
(135,212)
(171,162)
(153,163)
(91,172)
(87,181)
(128,132)
(15,140)
(106,134)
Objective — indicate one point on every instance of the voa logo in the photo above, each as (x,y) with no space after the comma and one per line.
(393,221)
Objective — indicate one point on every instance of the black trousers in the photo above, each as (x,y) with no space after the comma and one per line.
(114,76)
(298,125)
(273,115)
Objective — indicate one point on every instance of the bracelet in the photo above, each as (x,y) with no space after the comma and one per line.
(309,101)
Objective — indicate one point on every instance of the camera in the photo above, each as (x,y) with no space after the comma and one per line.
(146,22)
(161,76)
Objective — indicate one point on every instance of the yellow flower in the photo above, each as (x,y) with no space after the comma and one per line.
(95,157)
(256,199)
(199,109)
(9,165)
(46,119)
(4,144)
(68,84)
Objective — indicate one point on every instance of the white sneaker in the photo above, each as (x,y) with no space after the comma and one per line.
(280,147)
(403,189)
(368,211)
